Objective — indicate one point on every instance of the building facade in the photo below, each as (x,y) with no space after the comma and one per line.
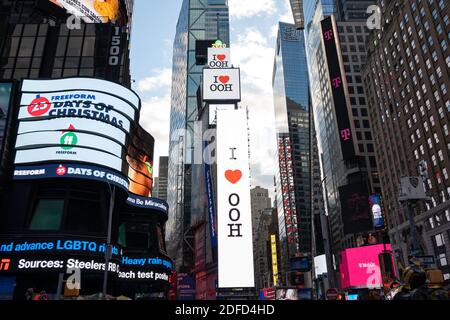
(298,189)
(407,82)
(336,33)
(190,182)
(260,202)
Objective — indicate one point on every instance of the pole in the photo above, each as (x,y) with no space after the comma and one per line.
(60,284)
(108,250)
(415,246)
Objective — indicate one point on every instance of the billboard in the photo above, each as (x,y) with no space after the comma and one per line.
(76,120)
(235,246)
(355,208)
(221,85)
(412,188)
(338,88)
(91,11)
(360,267)
(293,294)
(377,211)
(273,243)
(219,58)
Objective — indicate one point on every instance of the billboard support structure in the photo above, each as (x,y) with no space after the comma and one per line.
(108,250)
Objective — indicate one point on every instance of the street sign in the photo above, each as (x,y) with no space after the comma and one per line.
(423,261)
(332,294)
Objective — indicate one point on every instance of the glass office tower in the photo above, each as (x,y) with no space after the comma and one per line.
(294,172)
(198,20)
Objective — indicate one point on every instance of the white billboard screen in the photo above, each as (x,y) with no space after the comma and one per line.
(67,139)
(81,124)
(221,85)
(75,154)
(219,58)
(81,99)
(235,244)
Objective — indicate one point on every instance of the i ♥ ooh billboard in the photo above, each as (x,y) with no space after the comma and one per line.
(235,244)
(221,85)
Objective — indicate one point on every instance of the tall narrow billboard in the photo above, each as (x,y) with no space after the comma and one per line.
(235,250)
(355,208)
(338,88)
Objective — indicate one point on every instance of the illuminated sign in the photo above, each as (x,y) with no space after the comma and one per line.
(377,213)
(70,170)
(219,58)
(101,129)
(360,267)
(39,104)
(236,268)
(221,85)
(338,88)
(91,11)
(67,140)
(75,154)
(273,241)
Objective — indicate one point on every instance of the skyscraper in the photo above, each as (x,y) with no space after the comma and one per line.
(407,83)
(260,202)
(294,172)
(197,21)
(336,53)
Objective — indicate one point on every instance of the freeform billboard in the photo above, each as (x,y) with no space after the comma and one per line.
(235,244)
(75,120)
(360,267)
(221,85)
(91,11)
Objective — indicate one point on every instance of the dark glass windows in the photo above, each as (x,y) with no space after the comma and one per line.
(48,215)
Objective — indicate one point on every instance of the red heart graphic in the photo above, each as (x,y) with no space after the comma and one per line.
(233,176)
(224,79)
(221,57)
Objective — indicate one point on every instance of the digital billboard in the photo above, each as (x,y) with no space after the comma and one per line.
(360,267)
(338,87)
(377,211)
(236,268)
(77,120)
(221,85)
(355,208)
(91,11)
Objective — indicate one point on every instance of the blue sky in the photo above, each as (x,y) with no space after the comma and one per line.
(253,27)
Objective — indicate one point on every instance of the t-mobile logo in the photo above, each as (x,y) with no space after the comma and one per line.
(4,264)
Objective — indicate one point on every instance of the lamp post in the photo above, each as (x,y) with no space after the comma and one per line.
(108,251)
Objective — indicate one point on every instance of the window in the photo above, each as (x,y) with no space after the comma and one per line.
(48,215)
(443,260)
(439,240)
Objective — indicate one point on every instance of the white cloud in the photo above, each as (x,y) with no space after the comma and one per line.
(248,8)
(287,16)
(162,78)
(155,119)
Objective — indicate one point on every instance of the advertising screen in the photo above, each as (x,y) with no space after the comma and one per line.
(355,208)
(360,267)
(233,201)
(377,213)
(221,85)
(77,120)
(287,294)
(91,11)
(338,86)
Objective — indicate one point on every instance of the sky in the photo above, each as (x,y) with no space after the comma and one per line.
(253,28)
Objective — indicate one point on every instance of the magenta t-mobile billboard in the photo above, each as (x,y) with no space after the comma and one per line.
(360,267)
